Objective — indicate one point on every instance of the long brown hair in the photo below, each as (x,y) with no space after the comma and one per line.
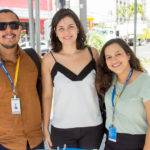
(104,75)
(81,38)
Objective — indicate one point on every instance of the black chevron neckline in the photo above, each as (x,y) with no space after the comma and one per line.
(70,74)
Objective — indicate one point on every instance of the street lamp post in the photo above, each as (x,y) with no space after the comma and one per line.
(37,25)
(31,23)
(135,21)
(83,13)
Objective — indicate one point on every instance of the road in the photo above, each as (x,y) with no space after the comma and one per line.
(143,50)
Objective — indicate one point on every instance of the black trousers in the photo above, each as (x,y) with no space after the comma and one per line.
(38,147)
(3,148)
(84,138)
(126,142)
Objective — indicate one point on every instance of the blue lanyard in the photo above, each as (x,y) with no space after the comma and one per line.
(114,89)
(6,72)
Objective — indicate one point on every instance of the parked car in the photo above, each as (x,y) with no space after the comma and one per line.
(25,45)
(139,41)
(108,32)
(44,46)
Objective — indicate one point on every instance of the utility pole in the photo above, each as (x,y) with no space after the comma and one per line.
(37,25)
(31,23)
(83,13)
(62,3)
(135,22)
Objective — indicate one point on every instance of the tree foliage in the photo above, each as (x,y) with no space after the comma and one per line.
(96,40)
(145,35)
(128,11)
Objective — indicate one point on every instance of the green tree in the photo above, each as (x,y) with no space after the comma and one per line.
(96,40)
(145,35)
(127,12)
(100,25)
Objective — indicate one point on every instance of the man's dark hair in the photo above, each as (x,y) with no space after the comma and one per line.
(9,11)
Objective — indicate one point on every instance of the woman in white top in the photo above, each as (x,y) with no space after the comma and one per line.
(68,76)
(125,87)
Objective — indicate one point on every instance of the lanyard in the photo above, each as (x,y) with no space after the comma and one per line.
(16,74)
(114,91)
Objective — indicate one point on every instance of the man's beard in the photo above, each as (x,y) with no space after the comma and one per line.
(9,46)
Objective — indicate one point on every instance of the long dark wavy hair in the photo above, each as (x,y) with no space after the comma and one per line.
(81,37)
(104,75)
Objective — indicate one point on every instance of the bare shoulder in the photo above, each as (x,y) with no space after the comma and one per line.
(48,61)
(95,53)
(47,57)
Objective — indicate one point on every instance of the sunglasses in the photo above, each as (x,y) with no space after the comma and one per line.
(14,25)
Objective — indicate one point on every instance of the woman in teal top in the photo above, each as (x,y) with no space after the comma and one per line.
(125,88)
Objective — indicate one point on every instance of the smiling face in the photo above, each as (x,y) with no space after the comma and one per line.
(66,31)
(9,38)
(117,59)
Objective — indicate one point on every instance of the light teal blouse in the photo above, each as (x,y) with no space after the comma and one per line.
(130,114)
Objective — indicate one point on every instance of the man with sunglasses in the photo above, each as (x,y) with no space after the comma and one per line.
(20,112)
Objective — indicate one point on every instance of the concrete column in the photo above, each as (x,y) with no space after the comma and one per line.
(31,23)
(37,25)
(83,13)
(135,22)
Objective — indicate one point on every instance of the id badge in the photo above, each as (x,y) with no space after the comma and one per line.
(112,134)
(15,105)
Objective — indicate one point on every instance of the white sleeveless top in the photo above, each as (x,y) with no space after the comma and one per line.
(75,98)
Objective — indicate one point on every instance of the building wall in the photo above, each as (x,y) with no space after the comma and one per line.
(24,4)
(20,7)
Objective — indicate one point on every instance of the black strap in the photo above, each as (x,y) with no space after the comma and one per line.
(31,52)
(53,56)
(89,48)
(103,111)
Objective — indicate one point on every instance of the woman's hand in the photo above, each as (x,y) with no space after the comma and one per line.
(47,139)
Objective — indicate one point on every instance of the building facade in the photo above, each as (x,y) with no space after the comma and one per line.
(20,7)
